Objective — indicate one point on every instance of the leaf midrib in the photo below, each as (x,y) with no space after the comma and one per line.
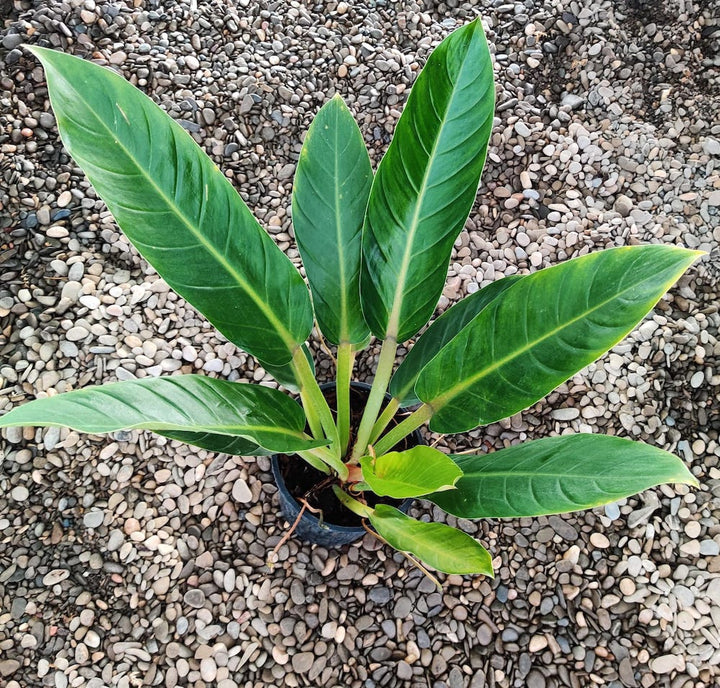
(344,329)
(195,231)
(394,317)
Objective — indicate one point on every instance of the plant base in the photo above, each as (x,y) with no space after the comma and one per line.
(296,479)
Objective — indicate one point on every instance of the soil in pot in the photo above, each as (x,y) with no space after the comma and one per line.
(305,482)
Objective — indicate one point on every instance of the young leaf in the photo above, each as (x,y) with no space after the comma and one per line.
(178,209)
(332,185)
(411,473)
(542,330)
(426,184)
(556,475)
(436,544)
(440,333)
(183,403)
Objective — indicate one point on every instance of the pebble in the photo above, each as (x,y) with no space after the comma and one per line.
(599,540)
(665,664)
(302,662)
(241,492)
(623,205)
(19,493)
(9,666)
(194,598)
(93,519)
(55,576)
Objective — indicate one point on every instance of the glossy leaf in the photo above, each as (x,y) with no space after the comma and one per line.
(178,209)
(449,324)
(556,475)
(332,185)
(426,184)
(411,473)
(183,403)
(545,328)
(436,544)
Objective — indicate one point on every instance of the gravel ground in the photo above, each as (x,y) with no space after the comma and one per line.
(135,561)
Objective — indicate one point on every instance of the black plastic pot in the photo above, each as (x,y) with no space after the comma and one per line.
(311,528)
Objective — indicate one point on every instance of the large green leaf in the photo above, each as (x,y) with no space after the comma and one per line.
(436,544)
(438,334)
(167,405)
(332,185)
(411,473)
(426,184)
(556,475)
(178,209)
(542,330)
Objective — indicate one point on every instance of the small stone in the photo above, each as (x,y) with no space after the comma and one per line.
(9,666)
(565,414)
(204,560)
(537,643)
(692,529)
(75,334)
(20,493)
(623,205)
(612,511)
(599,540)
(522,129)
(302,662)
(572,101)
(161,585)
(64,199)
(404,671)
(208,669)
(55,576)
(484,634)
(93,519)
(403,607)
(194,598)
(711,146)
(665,664)
(241,492)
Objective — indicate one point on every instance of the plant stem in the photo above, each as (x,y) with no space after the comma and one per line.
(316,461)
(377,395)
(310,391)
(385,417)
(345,360)
(351,503)
(412,422)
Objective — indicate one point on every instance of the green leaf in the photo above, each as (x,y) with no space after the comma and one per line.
(556,475)
(187,403)
(332,185)
(178,209)
(440,333)
(222,444)
(411,473)
(426,184)
(436,544)
(542,330)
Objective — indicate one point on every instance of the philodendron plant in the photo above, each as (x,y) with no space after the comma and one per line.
(376,250)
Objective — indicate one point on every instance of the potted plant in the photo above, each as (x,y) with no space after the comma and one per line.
(375,250)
